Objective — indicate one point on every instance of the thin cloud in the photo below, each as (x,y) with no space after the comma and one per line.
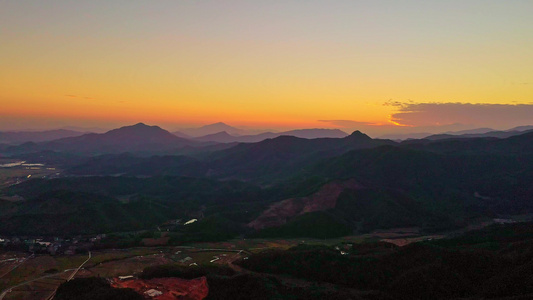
(483,114)
(394,103)
(348,123)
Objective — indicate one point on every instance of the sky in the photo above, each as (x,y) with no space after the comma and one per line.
(378,66)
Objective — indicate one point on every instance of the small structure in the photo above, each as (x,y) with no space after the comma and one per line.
(186,259)
(126,277)
(504,221)
(190,221)
(71,250)
(153,293)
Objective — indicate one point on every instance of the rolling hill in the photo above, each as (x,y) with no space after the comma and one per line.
(275,159)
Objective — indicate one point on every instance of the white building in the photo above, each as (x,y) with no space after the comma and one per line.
(153,293)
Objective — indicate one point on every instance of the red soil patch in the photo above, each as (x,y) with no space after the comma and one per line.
(407,241)
(172,288)
(394,233)
(325,198)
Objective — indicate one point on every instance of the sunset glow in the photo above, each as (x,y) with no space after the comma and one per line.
(280,64)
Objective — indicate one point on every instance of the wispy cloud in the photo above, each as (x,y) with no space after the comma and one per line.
(80,97)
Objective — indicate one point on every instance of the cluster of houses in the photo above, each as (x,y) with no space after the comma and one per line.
(51,245)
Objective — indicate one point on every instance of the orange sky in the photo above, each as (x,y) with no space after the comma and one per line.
(277,65)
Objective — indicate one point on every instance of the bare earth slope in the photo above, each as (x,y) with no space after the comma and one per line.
(324,199)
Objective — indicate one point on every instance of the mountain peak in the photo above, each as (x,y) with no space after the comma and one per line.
(140,130)
(223,133)
(212,129)
(219,134)
(220,137)
(140,125)
(133,138)
(218,125)
(314,133)
(358,133)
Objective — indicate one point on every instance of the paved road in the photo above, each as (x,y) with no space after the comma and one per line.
(23,260)
(215,249)
(8,290)
(4,293)
(78,269)
(70,277)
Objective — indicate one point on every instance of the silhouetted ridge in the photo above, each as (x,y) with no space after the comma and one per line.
(141,132)
(278,157)
(517,144)
(359,136)
(19,137)
(135,138)
(220,137)
(137,128)
(211,129)
(315,133)
(224,136)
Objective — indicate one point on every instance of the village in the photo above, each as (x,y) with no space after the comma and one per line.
(51,245)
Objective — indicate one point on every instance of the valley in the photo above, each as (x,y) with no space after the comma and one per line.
(37,276)
(88,210)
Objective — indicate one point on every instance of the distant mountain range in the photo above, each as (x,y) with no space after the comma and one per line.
(471,133)
(141,138)
(225,137)
(210,129)
(223,133)
(19,137)
(136,138)
(489,134)
(519,144)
